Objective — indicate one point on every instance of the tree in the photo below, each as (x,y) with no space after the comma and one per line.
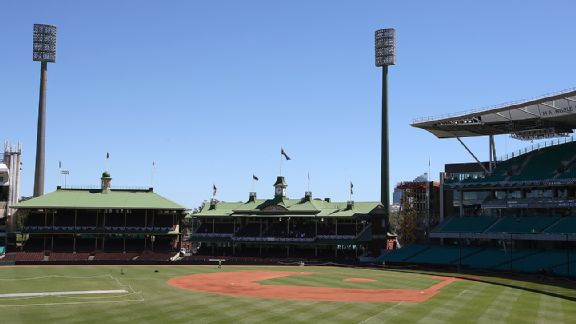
(408,222)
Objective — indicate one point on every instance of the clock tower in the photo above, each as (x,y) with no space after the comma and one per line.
(280,187)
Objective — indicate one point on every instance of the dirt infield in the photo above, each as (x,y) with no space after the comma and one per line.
(245,284)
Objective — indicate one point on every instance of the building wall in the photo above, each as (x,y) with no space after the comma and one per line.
(12,158)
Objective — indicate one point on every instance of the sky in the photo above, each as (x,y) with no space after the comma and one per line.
(209,91)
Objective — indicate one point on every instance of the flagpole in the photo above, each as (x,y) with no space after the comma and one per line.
(253,183)
(152,174)
(308,181)
(281,163)
(350,191)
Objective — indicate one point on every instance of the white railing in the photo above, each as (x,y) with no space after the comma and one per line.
(488,108)
(536,147)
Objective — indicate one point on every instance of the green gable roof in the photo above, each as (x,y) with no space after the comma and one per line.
(290,207)
(95,199)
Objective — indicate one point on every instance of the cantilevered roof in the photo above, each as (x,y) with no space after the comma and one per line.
(546,116)
(96,199)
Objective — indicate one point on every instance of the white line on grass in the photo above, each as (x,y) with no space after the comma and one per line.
(380,313)
(63,293)
(76,303)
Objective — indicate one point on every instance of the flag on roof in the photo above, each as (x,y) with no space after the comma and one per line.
(255,177)
(59,164)
(107,155)
(351,188)
(284,154)
(214,189)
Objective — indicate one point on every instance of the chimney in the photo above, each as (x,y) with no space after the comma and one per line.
(350,204)
(252,197)
(106,182)
(327,199)
(213,202)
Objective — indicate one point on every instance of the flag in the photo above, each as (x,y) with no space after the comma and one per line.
(254,177)
(214,189)
(284,154)
(351,188)
(59,164)
(107,155)
(153,163)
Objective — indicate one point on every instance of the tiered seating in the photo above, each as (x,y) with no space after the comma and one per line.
(563,226)
(506,168)
(563,268)
(495,258)
(109,256)
(9,257)
(443,254)
(249,230)
(155,256)
(536,165)
(538,262)
(476,224)
(529,224)
(568,174)
(545,162)
(403,254)
(59,256)
(29,256)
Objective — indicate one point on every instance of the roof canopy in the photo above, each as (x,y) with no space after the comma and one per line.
(287,207)
(96,199)
(551,115)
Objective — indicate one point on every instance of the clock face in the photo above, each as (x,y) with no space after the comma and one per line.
(279,190)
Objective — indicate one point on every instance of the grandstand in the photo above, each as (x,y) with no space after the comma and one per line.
(101,224)
(516,213)
(282,227)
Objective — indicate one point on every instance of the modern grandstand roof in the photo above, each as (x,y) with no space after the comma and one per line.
(97,199)
(288,207)
(546,116)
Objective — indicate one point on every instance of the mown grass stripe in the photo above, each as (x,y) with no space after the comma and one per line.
(448,309)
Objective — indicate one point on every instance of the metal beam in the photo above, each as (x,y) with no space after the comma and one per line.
(530,113)
(551,106)
(474,156)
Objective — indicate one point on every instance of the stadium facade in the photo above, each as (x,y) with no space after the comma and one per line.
(306,227)
(517,213)
(9,189)
(100,223)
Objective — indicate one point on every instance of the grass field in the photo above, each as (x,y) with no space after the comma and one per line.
(149,299)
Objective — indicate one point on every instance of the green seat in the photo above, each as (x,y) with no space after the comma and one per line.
(523,225)
(475,224)
(566,225)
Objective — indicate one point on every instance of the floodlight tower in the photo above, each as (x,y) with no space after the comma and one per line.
(385,56)
(44,51)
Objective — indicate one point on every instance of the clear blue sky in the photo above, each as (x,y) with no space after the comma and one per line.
(211,90)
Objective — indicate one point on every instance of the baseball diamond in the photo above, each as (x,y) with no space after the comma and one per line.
(260,294)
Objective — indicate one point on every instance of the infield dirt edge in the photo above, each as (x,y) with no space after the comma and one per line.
(245,284)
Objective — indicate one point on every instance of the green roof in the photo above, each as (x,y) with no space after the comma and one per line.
(96,199)
(291,207)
